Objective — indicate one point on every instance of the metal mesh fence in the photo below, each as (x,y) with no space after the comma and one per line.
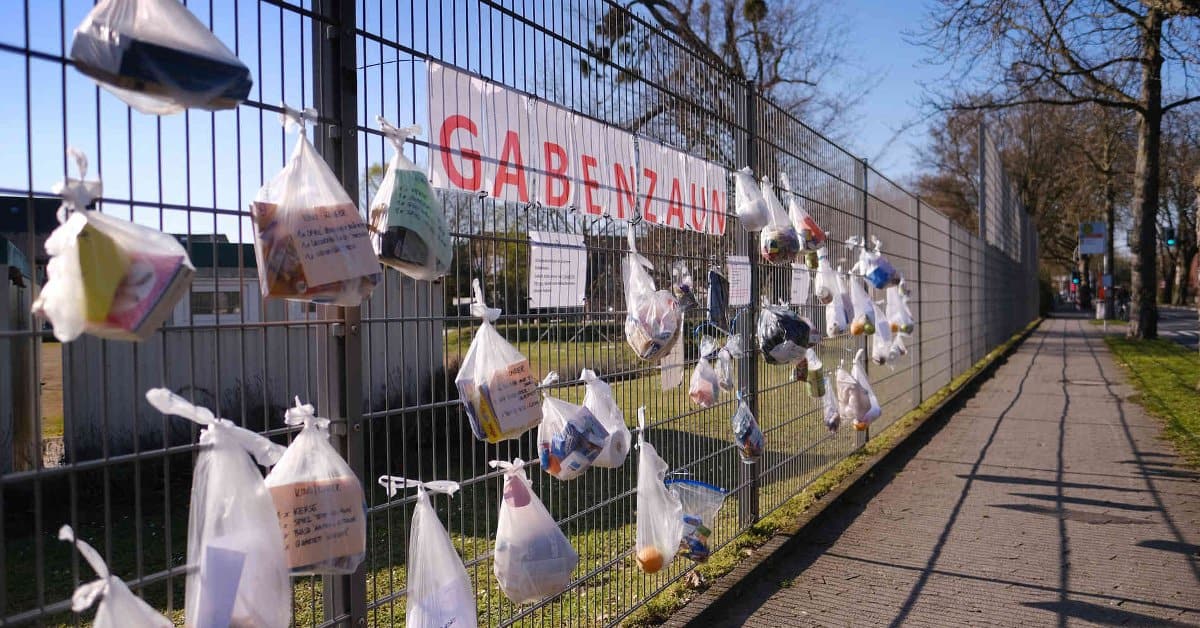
(81,447)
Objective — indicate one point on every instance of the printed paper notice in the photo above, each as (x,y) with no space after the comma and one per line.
(800,282)
(737,269)
(321,520)
(557,269)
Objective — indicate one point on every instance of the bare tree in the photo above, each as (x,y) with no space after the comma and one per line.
(1110,53)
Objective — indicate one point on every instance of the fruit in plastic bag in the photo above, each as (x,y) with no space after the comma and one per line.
(825,285)
(899,316)
(310,242)
(233,529)
(107,277)
(705,388)
(320,502)
(439,590)
(700,503)
(749,204)
(119,607)
(725,357)
(599,399)
(883,350)
(864,309)
(158,58)
(533,558)
(778,241)
(811,236)
(408,228)
(659,513)
(495,381)
(783,335)
(747,436)
(829,402)
(872,265)
(856,399)
(653,317)
(570,437)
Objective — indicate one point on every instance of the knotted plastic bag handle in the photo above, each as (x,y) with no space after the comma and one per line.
(265,452)
(479,308)
(76,194)
(393,483)
(306,415)
(297,120)
(86,594)
(509,468)
(397,135)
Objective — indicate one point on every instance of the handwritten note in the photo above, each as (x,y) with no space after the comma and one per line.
(737,269)
(321,520)
(334,244)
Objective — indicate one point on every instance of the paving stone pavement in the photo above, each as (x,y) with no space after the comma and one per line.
(1047,499)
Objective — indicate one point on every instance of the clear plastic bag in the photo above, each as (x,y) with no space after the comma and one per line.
(570,437)
(837,313)
(725,357)
(683,285)
(883,350)
(119,607)
(599,399)
(234,538)
(659,513)
(864,308)
(899,348)
(872,265)
(495,381)
(749,204)
(653,317)
(533,558)
(777,242)
(439,590)
(812,237)
(856,399)
(310,242)
(700,503)
(408,227)
(829,402)
(783,335)
(107,277)
(825,285)
(900,318)
(747,436)
(311,484)
(705,389)
(672,365)
(158,58)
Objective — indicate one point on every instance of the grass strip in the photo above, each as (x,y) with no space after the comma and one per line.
(1166,376)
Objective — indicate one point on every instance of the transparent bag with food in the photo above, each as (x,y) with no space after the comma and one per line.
(749,204)
(777,242)
(829,402)
(705,389)
(725,361)
(872,265)
(439,590)
(812,237)
(700,502)
(856,398)
(310,242)
(533,558)
(118,606)
(234,538)
(864,309)
(653,317)
(408,227)
(495,381)
(747,436)
(783,335)
(899,316)
(659,512)
(683,285)
(570,437)
(320,502)
(883,349)
(106,276)
(837,314)
(599,399)
(825,285)
(158,58)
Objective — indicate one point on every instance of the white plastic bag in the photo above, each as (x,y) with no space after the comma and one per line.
(833,420)
(705,389)
(233,531)
(495,381)
(864,308)
(883,349)
(747,436)
(533,558)
(837,313)
(320,502)
(899,316)
(408,227)
(700,502)
(119,607)
(310,242)
(106,276)
(659,512)
(811,236)
(778,241)
(856,399)
(570,437)
(653,317)
(872,265)
(725,357)
(599,399)
(749,204)
(825,284)
(439,590)
(158,58)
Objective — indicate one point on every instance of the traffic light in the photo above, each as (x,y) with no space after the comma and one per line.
(1169,236)
(1075,277)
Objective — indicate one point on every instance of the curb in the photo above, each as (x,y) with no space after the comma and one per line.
(730,585)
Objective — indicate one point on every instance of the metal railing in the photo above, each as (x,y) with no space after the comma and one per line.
(119,473)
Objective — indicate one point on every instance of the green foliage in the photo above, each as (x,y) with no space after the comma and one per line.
(1166,375)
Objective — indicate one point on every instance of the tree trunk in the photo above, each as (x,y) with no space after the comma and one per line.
(1110,212)
(1143,314)
(1182,277)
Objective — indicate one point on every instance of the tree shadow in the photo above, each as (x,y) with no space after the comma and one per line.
(1103,615)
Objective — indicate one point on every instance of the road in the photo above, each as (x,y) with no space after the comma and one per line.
(1179,324)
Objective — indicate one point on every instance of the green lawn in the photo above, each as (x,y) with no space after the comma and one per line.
(1167,376)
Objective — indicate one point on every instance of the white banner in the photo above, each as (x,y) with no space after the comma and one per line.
(557,269)
(487,138)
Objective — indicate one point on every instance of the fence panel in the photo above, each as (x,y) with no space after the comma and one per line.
(120,473)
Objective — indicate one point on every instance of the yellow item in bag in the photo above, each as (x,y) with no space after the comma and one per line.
(103,265)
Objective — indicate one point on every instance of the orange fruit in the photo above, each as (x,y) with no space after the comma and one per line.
(649,559)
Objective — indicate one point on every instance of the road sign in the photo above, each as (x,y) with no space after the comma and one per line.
(1091,238)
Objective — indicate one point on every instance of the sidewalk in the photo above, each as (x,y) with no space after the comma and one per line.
(1045,500)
